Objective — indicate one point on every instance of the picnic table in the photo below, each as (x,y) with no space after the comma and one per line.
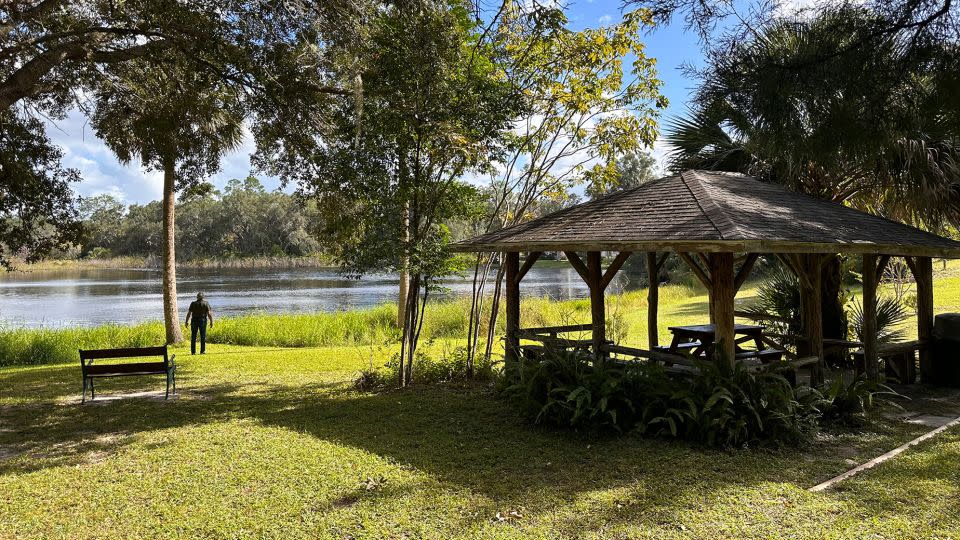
(698,339)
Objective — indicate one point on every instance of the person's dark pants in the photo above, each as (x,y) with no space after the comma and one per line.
(195,326)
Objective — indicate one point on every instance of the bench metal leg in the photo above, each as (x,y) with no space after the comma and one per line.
(167,396)
(93,391)
(83,396)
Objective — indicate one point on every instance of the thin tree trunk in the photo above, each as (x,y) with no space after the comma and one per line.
(410,332)
(404,269)
(480,273)
(494,312)
(171,316)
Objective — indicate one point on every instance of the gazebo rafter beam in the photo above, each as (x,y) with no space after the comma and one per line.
(577,263)
(697,270)
(744,272)
(882,262)
(792,262)
(614,267)
(528,263)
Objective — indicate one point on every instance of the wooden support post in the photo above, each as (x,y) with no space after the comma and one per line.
(598,313)
(721,305)
(653,299)
(811,306)
(512,284)
(923,275)
(870,359)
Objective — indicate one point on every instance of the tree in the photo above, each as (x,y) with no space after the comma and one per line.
(37,211)
(177,121)
(50,48)
(876,127)
(55,53)
(433,107)
(103,217)
(582,109)
(916,23)
(632,169)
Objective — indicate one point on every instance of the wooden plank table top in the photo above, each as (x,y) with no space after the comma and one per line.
(710,330)
(703,336)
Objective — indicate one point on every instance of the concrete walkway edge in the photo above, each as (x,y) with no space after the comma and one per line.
(889,455)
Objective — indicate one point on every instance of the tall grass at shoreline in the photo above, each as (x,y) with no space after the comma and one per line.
(371,326)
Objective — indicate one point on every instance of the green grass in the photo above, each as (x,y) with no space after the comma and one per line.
(274,443)
(271,442)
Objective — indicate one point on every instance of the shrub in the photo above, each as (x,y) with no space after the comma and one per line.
(891,312)
(450,365)
(843,403)
(722,407)
(567,390)
(731,406)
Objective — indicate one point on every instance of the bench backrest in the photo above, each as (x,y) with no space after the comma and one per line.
(131,352)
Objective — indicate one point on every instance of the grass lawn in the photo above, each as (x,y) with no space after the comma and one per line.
(274,443)
(267,442)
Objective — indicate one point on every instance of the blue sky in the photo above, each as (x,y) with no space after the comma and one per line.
(102,173)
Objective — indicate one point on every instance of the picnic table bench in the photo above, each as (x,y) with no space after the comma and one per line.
(91,370)
(899,359)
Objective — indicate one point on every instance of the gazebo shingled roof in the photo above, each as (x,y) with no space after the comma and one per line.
(709,211)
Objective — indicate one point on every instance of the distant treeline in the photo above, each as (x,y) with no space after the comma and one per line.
(244,220)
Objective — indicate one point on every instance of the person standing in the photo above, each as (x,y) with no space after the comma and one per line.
(199,312)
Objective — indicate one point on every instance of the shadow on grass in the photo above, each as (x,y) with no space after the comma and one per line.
(462,435)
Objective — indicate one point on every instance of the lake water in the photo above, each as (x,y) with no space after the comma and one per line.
(88,297)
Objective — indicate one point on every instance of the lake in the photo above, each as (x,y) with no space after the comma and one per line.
(88,297)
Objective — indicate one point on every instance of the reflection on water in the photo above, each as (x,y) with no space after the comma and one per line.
(95,296)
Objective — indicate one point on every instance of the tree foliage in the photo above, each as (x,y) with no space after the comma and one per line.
(244,220)
(55,54)
(878,129)
(36,204)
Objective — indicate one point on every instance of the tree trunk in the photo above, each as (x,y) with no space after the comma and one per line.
(494,313)
(834,317)
(404,269)
(171,316)
(411,331)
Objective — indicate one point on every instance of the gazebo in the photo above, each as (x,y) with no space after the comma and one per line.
(718,224)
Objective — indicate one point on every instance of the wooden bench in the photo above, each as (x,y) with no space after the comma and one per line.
(766,356)
(899,360)
(91,371)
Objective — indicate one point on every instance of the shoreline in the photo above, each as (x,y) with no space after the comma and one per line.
(154,263)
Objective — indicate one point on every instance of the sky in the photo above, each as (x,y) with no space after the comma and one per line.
(102,173)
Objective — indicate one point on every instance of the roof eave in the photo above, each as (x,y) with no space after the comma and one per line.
(714,246)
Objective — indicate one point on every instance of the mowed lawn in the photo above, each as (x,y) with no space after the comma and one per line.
(275,443)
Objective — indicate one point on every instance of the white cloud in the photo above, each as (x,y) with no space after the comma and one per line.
(605,19)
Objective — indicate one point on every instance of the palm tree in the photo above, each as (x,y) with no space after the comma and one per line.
(878,129)
(177,121)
